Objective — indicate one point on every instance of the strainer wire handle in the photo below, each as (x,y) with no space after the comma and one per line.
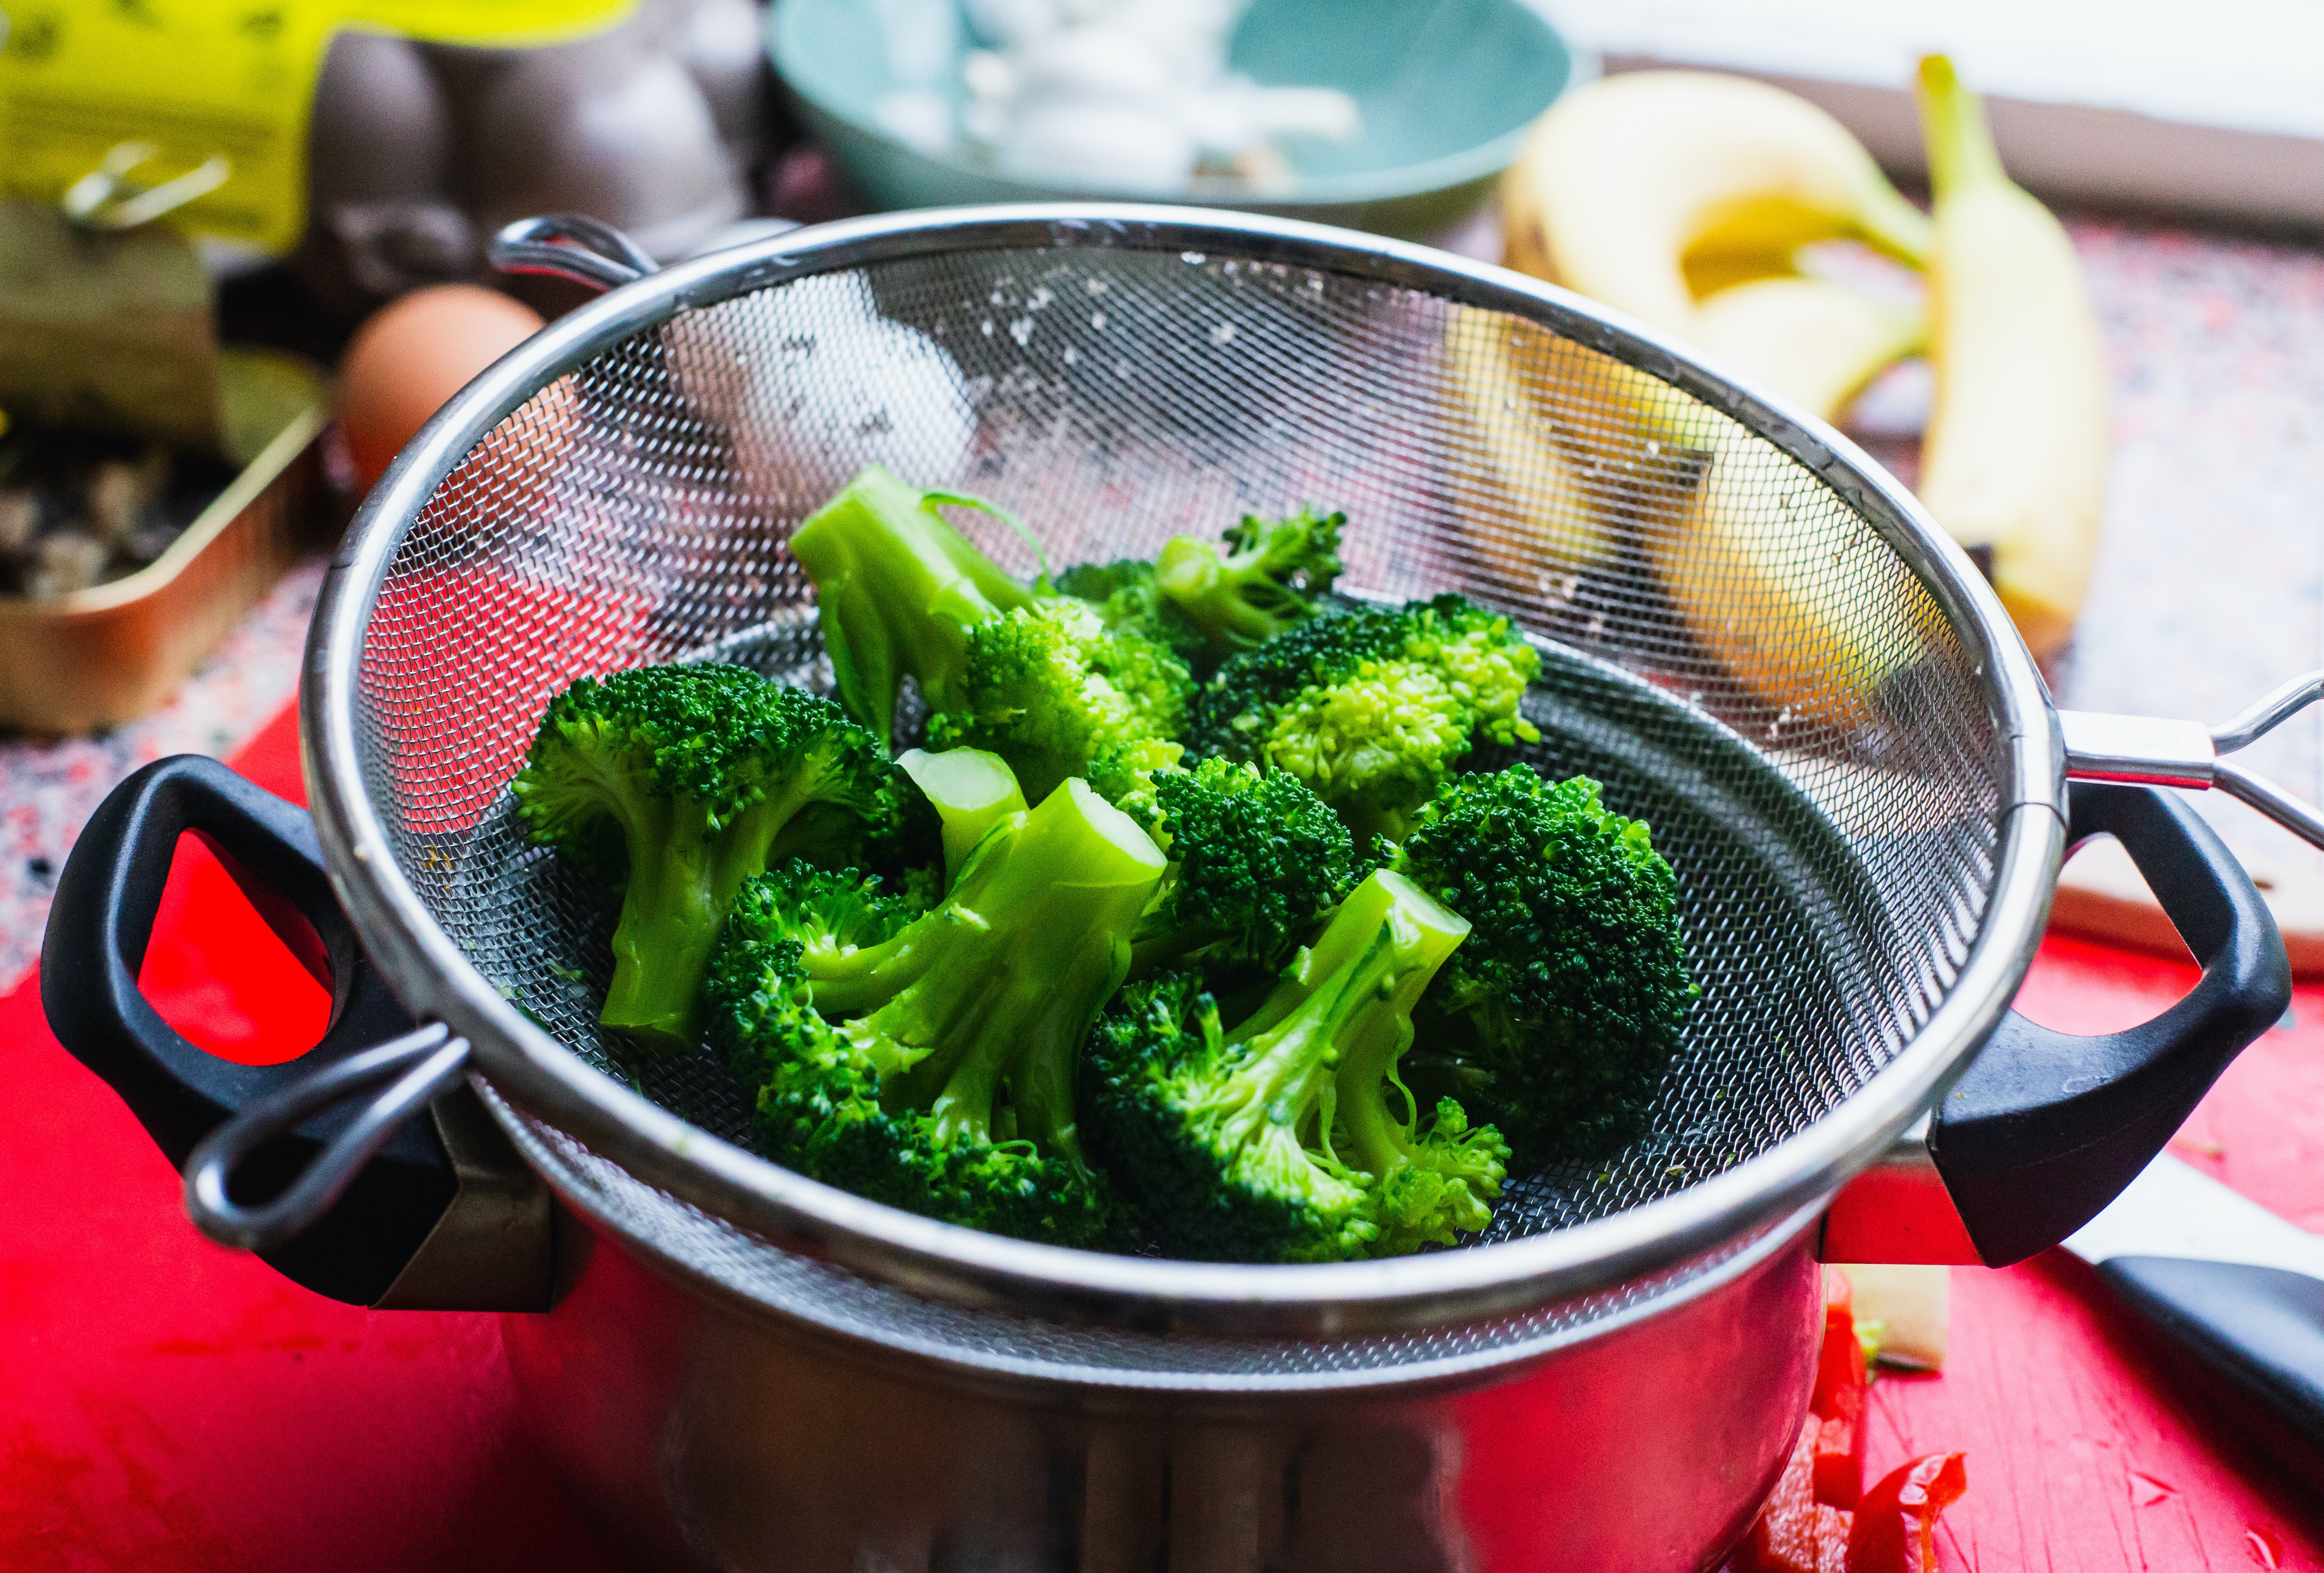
(411,1070)
(570,246)
(2146,751)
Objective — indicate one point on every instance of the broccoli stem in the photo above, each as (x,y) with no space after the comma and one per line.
(683,877)
(972,791)
(898,589)
(998,986)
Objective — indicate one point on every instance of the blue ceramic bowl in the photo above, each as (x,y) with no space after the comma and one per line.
(1446,88)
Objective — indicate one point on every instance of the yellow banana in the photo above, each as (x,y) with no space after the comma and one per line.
(1815,341)
(1625,180)
(2015,455)
(1793,592)
(1522,411)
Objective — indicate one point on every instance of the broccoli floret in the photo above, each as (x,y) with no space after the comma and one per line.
(1207,605)
(1289,1138)
(678,783)
(1268,579)
(898,591)
(1257,861)
(1372,708)
(1050,689)
(1036,676)
(1567,1002)
(932,1065)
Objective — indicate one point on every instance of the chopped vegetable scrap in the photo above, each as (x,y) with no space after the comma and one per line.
(1117,957)
(1819,1518)
(1794,1533)
(1838,1403)
(1895,1526)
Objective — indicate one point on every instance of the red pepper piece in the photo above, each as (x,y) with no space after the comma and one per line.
(1840,1460)
(1840,1363)
(1839,1398)
(1895,1524)
(1794,1533)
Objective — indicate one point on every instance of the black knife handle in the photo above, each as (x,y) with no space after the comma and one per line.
(2252,1338)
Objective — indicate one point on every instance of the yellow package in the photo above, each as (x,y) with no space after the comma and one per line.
(199,80)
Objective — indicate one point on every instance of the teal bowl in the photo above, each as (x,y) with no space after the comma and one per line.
(1447,89)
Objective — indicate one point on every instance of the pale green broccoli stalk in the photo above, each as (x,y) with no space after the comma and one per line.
(931,1063)
(972,791)
(1288,1138)
(898,590)
(675,784)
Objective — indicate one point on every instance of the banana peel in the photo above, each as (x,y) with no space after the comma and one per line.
(1815,341)
(1682,199)
(2014,455)
(1624,180)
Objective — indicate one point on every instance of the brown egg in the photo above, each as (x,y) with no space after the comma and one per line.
(413,354)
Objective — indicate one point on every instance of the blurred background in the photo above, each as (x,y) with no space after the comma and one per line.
(243,256)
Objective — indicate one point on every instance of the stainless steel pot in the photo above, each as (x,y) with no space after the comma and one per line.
(1749,633)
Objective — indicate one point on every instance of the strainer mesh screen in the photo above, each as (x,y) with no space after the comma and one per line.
(1728,645)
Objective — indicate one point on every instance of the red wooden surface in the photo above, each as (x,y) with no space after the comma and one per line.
(165,1404)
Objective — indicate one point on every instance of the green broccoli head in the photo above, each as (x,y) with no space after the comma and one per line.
(1372,708)
(677,783)
(1268,579)
(1568,1002)
(897,592)
(932,1063)
(1257,861)
(1050,689)
(1289,1137)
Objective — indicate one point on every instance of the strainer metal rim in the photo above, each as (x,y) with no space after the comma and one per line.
(435,978)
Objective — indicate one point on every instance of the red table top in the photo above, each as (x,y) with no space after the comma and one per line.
(166,1404)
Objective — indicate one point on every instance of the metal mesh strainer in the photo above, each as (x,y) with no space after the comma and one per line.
(1749,635)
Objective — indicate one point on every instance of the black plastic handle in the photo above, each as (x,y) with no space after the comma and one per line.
(2045,1128)
(98,929)
(2252,1338)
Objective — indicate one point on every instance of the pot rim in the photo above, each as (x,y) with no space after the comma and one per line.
(967,1266)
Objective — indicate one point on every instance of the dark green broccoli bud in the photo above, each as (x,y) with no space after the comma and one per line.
(1289,1137)
(1373,708)
(898,591)
(933,1065)
(677,783)
(1257,861)
(1566,1004)
(1050,689)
